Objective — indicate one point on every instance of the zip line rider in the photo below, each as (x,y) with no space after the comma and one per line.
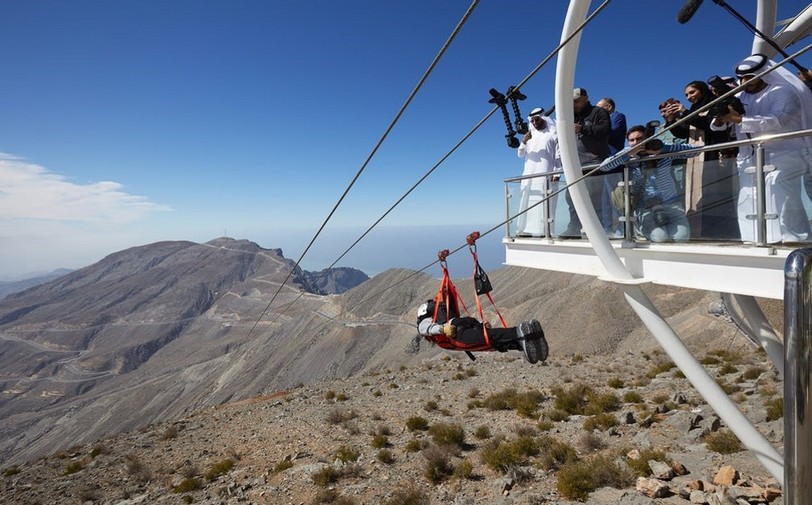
(468,333)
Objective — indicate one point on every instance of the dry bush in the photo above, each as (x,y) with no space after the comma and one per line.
(640,465)
(723,442)
(410,496)
(220,468)
(577,479)
(417,423)
(448,434)
(438,464)
(775,408)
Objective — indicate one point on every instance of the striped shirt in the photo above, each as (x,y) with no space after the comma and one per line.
(651,185)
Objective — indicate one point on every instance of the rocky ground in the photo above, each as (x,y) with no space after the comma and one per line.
(621,428)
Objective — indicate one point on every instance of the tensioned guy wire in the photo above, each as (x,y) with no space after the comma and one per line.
(371,154)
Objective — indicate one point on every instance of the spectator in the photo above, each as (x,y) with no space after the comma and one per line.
(539,148)
(658,212)
(710,179)
(775,103)
(592,128)
(617,139)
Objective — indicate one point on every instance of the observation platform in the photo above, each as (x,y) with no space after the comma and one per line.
(710,266)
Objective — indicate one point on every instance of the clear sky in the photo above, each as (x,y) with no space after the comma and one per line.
(134,121)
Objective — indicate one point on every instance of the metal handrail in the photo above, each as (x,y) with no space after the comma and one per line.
(628,218)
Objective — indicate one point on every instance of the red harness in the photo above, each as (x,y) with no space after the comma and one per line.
(448,294)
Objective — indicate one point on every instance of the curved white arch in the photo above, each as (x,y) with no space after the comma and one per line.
(617,272)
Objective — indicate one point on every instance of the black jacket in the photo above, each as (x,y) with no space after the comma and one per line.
(595,129)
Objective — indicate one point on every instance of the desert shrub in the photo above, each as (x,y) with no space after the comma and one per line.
(572,400)
(430,405)
(474,404)
(632,397)
(340,415)
(283,465)
(502,455)
(380,441)
(464,470)
(136,468)
(438,464)
(326,476)
(710,360)
(73,467)
(723,442)
(752,373)
(385,456)
(332,497)
(659,368)
(660,398)
(408,497)
(393,385)
(473,393)
(616,383)
(544,425)
(577,479)
(346,454)
(581,399)
(98,449)
(417,423)
(377,393)
(482,432)
(415,445)
(450,434)
(342,397)
(219,469)
(591,442)
(775,408)
(601,403)
(12,470)
(471,372)
(525,403)
(189,470)
(640,465)
(727,369)
(188,485)
(727,387)
(556,415)
(602,421)
(169,433)
(329,395)
(553,453)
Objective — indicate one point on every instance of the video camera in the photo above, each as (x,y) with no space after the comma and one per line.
(720,108)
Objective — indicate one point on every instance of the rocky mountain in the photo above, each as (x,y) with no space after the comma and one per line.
(619,428)
(155,334)
(143,334)
(8,287)
(335,280)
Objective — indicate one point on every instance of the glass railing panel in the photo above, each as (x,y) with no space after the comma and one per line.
(717,195)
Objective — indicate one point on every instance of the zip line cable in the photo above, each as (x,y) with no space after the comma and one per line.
(371,154)
(568,185)
(448,154)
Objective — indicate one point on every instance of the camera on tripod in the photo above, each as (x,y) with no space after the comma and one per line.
(720,108)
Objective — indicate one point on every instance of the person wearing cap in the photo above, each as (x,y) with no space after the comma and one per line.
(468,333)
(592,129)
(777,102)
(539,148)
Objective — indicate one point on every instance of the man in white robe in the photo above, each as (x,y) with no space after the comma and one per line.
(778,102)
(539,148)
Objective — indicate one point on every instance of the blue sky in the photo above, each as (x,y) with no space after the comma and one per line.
(135,121)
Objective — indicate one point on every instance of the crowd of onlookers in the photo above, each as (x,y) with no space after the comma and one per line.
(690,194)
